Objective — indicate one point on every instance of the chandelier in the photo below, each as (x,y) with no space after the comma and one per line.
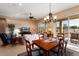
(49,18)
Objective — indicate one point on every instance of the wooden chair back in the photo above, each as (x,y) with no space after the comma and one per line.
(49,34)
(28,48)
(60,35)
(59,46)
(62,46)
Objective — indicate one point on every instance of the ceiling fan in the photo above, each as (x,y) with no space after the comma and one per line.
(28,15)
(31,17)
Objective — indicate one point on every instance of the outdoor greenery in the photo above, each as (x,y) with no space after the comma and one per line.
(73,27)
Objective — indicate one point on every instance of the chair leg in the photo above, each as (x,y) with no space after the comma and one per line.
(58,53)
(65,51)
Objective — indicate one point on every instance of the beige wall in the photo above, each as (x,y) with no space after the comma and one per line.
(33,24)
(22,23)
(68,12)
(2,24)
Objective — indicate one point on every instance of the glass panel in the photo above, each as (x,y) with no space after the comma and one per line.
(71,30)
(65,28)
(56,28)
(74,31)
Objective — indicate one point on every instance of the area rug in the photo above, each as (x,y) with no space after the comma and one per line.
(69,52)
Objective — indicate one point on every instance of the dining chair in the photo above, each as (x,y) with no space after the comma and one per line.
(65,46)
(62,47)
(60,35)
(65,42)
(17,40)
(31,51)
(59,49)
(49,34)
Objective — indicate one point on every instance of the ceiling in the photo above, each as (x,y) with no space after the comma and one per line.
(38,10)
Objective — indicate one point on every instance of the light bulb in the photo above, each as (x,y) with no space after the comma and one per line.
(45,19)
(55,17)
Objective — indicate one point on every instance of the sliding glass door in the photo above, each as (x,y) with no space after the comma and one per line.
(74,31)
(70,29)
(65,27)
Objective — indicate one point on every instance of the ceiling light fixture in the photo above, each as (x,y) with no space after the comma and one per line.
(49,18)
(55,17)
(20,4)
(31,17)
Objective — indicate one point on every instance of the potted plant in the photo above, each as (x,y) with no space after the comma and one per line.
(11,29)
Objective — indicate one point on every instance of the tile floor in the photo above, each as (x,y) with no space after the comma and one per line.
(11,50)
(14,50)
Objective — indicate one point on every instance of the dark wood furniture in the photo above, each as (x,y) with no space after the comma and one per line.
(65,46)
(23,33)
(65,42)
(60,35)
(29,48)
(49,35)
(17,40)
(46,47)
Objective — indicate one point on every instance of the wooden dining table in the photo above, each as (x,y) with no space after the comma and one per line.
(45,46)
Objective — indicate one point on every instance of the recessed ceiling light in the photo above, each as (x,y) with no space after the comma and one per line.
(20,4)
